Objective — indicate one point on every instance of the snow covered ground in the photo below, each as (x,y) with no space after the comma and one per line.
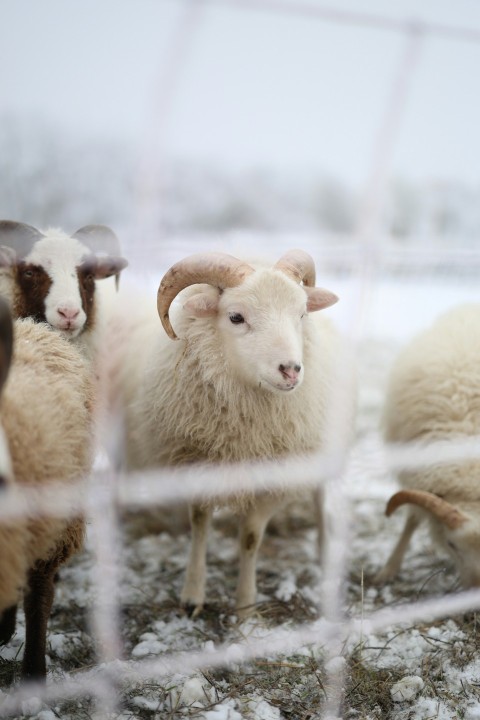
(427,668)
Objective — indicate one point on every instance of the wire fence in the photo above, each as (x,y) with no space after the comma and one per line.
(108,492)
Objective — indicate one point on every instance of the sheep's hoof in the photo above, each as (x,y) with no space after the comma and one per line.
(246,612)
(7,624)
(383,577)
(192,610)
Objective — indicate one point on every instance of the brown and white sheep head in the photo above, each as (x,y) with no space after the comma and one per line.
(54,275)
(455,526)
(260,314)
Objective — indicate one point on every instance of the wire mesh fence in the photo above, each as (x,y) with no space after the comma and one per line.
(338,629)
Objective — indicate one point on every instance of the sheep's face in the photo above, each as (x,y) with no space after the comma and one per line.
(56,284)
(262,324)
(463,544)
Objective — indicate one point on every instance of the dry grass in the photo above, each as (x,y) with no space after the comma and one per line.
(295,684)
(367,691)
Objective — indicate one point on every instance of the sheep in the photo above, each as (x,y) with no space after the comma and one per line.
(51,277)
(433,395)
(46,442)
(250,379)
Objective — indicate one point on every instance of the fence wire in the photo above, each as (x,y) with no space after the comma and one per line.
(107,492)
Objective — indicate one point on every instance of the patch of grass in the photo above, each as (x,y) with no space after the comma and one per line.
(83,709)
(293,684)
(9,672)
(367,690)
(296,609)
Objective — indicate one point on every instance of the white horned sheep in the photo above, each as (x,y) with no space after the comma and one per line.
(249,379)
(46,442)
(434,396)
(51,277)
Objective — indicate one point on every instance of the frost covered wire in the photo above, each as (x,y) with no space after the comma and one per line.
(141,489)
(168,83)
(106,542)
(170,485)
(334,562)
(351,18)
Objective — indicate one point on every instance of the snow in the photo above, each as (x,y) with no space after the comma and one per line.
(407,688)
(286,587)
(335,664)
(262,710)
(196,691)
(472,713)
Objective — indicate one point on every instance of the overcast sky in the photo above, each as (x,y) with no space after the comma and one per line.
(250,88)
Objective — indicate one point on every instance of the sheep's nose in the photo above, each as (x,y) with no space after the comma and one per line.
(68,313)
(290,372)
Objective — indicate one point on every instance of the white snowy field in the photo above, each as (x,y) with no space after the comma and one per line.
(293,675)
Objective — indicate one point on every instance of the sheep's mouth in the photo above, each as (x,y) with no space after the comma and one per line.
(279,387)
(69,331)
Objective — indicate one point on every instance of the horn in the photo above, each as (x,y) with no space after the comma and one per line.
(443,510)
(299,266)
(19,236)
(218,269)
(100,239)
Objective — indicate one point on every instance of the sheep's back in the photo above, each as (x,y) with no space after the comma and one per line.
(434,395)
(46,412)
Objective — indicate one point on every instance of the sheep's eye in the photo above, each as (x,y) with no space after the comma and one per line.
(236,318)
(28,273)
(451,545)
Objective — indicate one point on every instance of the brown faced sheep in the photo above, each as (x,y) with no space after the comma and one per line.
(52,277)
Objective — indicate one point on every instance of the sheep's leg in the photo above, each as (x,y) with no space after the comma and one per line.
(7,624)
(193,593)
(38,605)
(394,562)
(252,527)
(319,506)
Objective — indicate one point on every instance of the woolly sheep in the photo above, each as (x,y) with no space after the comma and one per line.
(45,416)
(434,395)
(250,379)
(51,277)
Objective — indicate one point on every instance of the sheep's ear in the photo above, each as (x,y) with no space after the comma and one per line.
(202,305)
(107,266)
(6,340)
(319,298)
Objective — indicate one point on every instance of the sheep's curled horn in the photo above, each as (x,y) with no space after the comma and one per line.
(447,513)
(18,237)
(222,271)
